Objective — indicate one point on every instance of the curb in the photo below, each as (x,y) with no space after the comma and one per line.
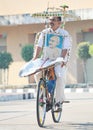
(17,94)
(78,90)
(30,93)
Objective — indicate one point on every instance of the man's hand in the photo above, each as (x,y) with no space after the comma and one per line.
(63,54)
(63,64)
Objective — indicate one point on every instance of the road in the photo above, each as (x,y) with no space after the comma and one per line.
(21,114)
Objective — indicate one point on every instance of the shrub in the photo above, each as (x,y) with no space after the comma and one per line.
(27,52)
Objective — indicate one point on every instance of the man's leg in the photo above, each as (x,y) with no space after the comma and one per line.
(60,96)
(60,83)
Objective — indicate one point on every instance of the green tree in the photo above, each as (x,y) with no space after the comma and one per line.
(83,54)
(27,52)
(91,49)
(5,61)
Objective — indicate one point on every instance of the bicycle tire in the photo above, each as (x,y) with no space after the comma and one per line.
(41,106)
(56,116)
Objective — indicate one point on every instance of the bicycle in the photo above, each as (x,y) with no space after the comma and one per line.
(46,99)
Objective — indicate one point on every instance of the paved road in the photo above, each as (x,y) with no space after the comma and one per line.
(77,115)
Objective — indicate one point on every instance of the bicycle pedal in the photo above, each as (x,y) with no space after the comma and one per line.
(65,102)
(58,110)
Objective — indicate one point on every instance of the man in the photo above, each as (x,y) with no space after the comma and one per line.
(60,70)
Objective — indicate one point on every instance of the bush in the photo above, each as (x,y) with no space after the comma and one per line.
(83,51)
(83,54)
(27,52)
(91,49)
(5,60)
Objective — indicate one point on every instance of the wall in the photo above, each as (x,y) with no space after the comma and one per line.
(18,36)
(77,29)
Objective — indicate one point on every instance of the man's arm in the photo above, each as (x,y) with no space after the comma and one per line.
(66,48)
(37,52)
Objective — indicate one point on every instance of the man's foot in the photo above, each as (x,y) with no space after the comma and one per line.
(58,107)
(41,102)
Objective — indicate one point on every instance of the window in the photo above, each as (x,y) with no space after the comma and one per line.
(3,42)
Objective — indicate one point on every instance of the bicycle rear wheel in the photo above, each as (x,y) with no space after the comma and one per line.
(41,103)
(56,115)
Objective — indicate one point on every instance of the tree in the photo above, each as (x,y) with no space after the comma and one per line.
(91,49)
(83,54)
(27,52)
(5,61)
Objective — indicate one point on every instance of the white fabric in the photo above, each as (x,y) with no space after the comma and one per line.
(60,82)
(34,66)
(59,71)
(67,40)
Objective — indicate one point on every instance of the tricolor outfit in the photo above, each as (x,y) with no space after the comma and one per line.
(52,52)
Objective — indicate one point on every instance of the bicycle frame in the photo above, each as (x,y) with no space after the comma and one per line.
(45,99)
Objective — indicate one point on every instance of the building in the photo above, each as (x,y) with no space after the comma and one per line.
(18,30)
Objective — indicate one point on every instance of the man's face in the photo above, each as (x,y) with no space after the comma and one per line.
(54,22)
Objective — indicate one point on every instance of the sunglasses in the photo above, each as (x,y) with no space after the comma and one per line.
(54,20)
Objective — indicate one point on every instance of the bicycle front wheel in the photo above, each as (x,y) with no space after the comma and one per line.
(41,103)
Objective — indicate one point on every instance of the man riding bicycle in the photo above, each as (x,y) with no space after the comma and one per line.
(53,49)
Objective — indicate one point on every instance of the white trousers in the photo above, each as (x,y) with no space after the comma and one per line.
(60,82)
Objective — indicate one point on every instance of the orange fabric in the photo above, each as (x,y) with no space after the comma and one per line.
(51,73)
